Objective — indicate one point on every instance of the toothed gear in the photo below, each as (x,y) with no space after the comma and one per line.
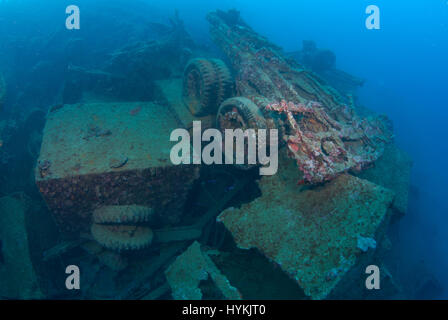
(206,83)
(240,113)
(226,84)
(122,214)
(243,111)
(122,237)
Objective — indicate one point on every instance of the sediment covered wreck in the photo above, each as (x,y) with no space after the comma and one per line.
(107,154)
(320,126)
(105,172)
(315,235)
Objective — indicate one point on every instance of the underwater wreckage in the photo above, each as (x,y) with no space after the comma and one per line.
(104,171)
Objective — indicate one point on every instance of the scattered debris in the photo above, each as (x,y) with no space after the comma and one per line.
(192,267)
(323,131)
(119,186)
(311,235)
(147,181)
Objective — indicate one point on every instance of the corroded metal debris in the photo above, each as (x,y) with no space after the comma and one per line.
(192,267)
(393,171)
(312,235)
(104,169)
(126,162)
(332,138)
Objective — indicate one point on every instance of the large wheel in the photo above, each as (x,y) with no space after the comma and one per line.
(206,83)
(225,80)
(240,113)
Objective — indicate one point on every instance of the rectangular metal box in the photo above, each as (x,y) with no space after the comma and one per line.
(110,154)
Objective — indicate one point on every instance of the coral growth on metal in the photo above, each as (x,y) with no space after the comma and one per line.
(323,132)
(317,141)
(104,154)
(312,239)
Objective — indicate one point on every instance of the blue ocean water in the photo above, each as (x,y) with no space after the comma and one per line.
(404,64)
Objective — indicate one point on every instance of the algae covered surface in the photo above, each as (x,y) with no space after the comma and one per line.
(311,235)
(393,171)
(99,137)
(98,127)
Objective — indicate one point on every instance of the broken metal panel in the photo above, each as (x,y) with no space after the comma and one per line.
(312,235)
(192,267)
(110,154)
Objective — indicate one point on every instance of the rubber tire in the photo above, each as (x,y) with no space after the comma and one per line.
(249,112)
(206,83)
(225,79)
